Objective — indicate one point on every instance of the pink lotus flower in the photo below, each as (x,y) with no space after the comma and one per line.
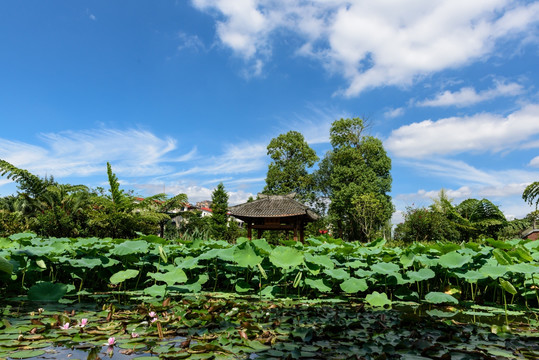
(152,314)
(83,322)
(65,326)
(154,320)
(111,341)
(134,335)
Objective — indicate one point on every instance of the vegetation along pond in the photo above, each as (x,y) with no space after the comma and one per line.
(91,298)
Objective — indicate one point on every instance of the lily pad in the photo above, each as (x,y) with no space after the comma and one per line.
(435,297)
(47,291)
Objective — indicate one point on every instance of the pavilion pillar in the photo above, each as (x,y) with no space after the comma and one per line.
(249,231)
(259,233)
(302,233)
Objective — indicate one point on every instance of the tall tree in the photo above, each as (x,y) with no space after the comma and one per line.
(219,208)
(358,165)
(531,196)
(291,157)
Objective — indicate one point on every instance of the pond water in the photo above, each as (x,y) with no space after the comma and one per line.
(223,327)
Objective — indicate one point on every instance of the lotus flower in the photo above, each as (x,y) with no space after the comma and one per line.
(112,341)
(83,322)
(134,335)
(152,314)
(65,326)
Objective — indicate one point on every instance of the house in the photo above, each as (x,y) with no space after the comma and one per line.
(532,234)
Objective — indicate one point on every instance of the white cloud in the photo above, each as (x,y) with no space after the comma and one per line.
(468,96)
(372,44)
(393,113)
(5,181)
(83,153)
(236,159)
(535,161)
(481,132)
(191,42)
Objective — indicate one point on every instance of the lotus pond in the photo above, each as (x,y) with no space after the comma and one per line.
(325,299)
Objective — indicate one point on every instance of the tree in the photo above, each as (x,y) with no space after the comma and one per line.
(531,196)
(291,157)
(219,208)
(481,217)
(358,165)
(161,208)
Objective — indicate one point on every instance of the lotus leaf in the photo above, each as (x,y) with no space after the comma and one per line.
(286,257)
(454,260)
(421,274)
(47,291)
(176,276)
(322,260)
(524,268)
(435,297)
(26,354)
(493,271)
(156,290)
(385,268)
(262,244)
(123,275)
(245,256)
(317,284)
(507,286)
(339,274)
(5,266)
(353,285)
(376,299)
(502,257)
(131,247)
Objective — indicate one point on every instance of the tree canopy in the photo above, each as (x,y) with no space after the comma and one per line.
(291,157)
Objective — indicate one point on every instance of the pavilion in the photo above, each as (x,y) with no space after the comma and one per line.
(274,212)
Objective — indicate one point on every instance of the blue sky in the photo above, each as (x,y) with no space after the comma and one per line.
(181,95)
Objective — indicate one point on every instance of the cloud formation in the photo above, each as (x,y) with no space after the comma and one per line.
(82,153)
(479,133)
(373,44)
(467,96)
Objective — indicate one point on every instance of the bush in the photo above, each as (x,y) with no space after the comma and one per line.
(425,225)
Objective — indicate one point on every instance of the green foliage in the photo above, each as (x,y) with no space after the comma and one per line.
(287,173)
(531,196)
(359,171)
(425,225)
(219,207)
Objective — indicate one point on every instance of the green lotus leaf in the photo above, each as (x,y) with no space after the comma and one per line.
(502,257)
(353,285)
(317,284)
(454,260)
(498,244)
(507,286)
(286,257)
(435,297)
(262,244)
(472,276)
(243,286)
(5,266)
(26,354)
(175,276)
(47,291)
(524,268)
(245,256)
(156,290)
(339,274)
(123,275)
(131,247)
(88,263)
(376,299)
(322,260)
(421,274)
(493,271)
(385,268)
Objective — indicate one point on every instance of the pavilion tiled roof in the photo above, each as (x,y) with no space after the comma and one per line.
(273,206)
